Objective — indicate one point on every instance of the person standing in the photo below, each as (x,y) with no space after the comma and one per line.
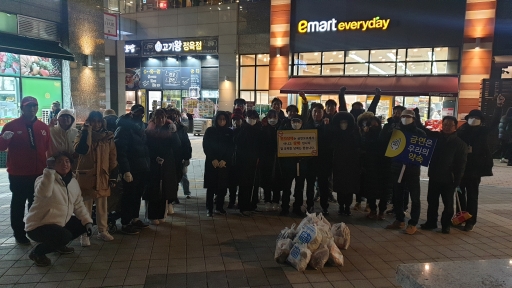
(237,119)
(96,170)
(505,136)
(410,180)
(133,159)
(62,133)
(111,118)
(276,105)
(218,149)
(444,172)
(54,112)
(27,140)
(270,170)
(479,160)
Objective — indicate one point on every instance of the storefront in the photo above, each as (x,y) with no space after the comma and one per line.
(410,50)
(182,73)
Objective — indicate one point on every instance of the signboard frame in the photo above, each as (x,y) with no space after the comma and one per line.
(296,136)
(110,23)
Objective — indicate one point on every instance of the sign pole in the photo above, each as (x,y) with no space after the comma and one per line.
(401,174)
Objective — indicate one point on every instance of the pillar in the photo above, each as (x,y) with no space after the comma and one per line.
(280,13)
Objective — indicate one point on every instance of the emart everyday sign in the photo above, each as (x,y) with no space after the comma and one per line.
(375,23)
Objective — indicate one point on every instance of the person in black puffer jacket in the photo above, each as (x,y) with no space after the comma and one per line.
(218,149)
(410,180)
(133,159)
(269,168)
(480,162)
(505,136)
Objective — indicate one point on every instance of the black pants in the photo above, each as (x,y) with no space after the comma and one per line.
(232,194)
(156,209)
(131,197)
(445,190)
(383,203)
(52,236)
(469,199)
(298,193)
(410,183)
(245,196)
(219,200)
(22,188)
(323,187)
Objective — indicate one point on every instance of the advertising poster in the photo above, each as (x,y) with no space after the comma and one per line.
(46,91)
(410,149)
(297,143)
(9,64)
(35,66)
(190,77)
(172,78)
(151,78)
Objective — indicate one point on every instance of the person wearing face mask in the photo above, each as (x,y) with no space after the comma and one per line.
(63,133)
(249,143)
(269,168)
(410,180)
(346,168)
(218,149)
(373,164)
(237,119)
(444,172)
(96,170)
(293,168)
(133,159)
(479,160)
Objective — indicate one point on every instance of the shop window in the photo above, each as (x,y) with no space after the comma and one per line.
(247,76)
(9,95)
(262,59)
(247,60)
(247,95)
(387,55)
(419,68)
(308,70)
(333,57)
(334,69)
(262,77)
(309,58)
(360,56)
(445,53)
(419,54)
(254,77)
(382,69)
(262,97)
(356,69)
(46,91)
(421,102)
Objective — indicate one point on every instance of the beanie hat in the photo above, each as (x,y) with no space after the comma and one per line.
(475,113)
(109,112)
(408,112)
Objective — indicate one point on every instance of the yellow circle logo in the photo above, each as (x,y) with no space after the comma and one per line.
(47,95)
(396,144)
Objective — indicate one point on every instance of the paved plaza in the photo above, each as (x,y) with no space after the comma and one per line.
(192,250)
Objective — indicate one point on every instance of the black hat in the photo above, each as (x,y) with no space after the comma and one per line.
(137,108)
(475,113)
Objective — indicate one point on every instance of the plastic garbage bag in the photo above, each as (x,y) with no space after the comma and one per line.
(319,258)
(299,256)
(309,219)
(326,234)
(283,248)
(309,235)
(341,235)
(335,255)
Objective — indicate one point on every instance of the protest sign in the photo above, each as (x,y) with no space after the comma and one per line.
(297,143)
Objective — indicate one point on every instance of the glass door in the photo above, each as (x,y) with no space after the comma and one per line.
(154,100)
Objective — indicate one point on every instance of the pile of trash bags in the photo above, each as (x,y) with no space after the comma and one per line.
(313,243)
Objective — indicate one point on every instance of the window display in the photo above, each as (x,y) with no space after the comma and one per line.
(9,95)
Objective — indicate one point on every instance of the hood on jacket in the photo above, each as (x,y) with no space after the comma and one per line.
(336,120)
(225,114)
(67,112)
(366,116)
(124,120)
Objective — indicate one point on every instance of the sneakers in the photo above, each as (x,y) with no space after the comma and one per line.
(372,215)
(469,227)
(155,222)
(411,229)
(221,211)
(170,209)
(139,224)
(84,241)
(105,236)
(22,240)
(268,206)
(503,160)
(209,213)
(245,213)
(390,211)
(357,207)
(275,206)
(189,197)
(129,230)
(65,250)
(396,225)
(428,226)
(40,260)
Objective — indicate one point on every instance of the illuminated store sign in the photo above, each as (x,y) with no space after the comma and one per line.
(376,23)
(132,48)
(165,47)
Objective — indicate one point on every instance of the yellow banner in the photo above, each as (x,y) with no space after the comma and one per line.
(297,143)
(396,144)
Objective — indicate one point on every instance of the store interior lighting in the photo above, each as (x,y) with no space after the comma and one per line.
(208,57)
(357,58)
(400,64)
(432,57)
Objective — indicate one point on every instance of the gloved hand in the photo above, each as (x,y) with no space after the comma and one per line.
(222,164)
(303,97)
(128,177)
(159,160)
(215,163)
(88,228)
(186,163)
(7,135)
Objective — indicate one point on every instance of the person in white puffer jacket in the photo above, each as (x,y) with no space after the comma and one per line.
(58,214)
(63,133)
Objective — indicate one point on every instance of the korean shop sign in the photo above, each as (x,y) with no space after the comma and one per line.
(297,143)
(376,23)
(132,48)
(168,47)
(410,149)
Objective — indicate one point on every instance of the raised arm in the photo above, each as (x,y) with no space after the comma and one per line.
(44,184)
(305,108)
(341,100)
(375,102)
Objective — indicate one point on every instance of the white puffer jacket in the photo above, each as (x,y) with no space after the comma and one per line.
(54,203)
(62,140)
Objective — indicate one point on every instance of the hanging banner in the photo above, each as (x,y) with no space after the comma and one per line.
(297,143)
(110,24)
(410,149)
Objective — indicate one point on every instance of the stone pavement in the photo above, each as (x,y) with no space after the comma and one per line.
(192,250)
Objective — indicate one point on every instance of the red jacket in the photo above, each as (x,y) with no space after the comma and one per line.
(26,157)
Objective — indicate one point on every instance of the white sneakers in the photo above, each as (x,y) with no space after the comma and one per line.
(105,236)
(84,240)
(170,209)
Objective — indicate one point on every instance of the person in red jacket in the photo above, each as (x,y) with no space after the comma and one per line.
(27,140)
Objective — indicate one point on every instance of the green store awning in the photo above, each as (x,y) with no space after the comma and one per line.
(33,47)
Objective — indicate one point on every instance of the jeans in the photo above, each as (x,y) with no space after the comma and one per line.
(131,197)
(22,188)
(469,198)
(219,200)
(445,190)
(53,236)
(101,212)
(411,183)
(185,184)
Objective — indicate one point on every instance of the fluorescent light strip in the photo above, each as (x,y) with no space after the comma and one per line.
(355,57)
(432,57)
(393,57)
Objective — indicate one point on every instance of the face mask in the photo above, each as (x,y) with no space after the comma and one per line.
(296,126)
(407,121)
(343,126)
(251,121)
(474,122)
(272,121)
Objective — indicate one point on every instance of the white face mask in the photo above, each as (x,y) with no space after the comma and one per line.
(343,126)
(474,122)
(251,121)
(272,121)
(407,121)
(296,126)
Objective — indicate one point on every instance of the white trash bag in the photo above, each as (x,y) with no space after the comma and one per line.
(319,258)
(283,248)
(341,235)
(284,234)
(309,235)
(299,256)
(309,219)
(335,256)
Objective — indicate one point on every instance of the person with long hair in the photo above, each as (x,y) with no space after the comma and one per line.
(96,170)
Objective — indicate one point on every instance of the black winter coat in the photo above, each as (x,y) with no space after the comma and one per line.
(164,144)
(479,161)
(373,164)
(217,145)
(321,164)
(249,143)
(505,128)
(270,168)
(184,152)
(130,139)
(111,122)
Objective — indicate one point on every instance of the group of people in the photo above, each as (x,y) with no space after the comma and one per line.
(242,157)
(61,172)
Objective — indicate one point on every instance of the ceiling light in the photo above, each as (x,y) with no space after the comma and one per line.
(316,54)
(415,50)
(380,57)
(208,57)
(351,67)
(373,51)
(328,70)
(340,56)
(399,57)
(330,60)
(357,70)
(259,56)
(352,52)
(313,66)
(333,53)
(438,49)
